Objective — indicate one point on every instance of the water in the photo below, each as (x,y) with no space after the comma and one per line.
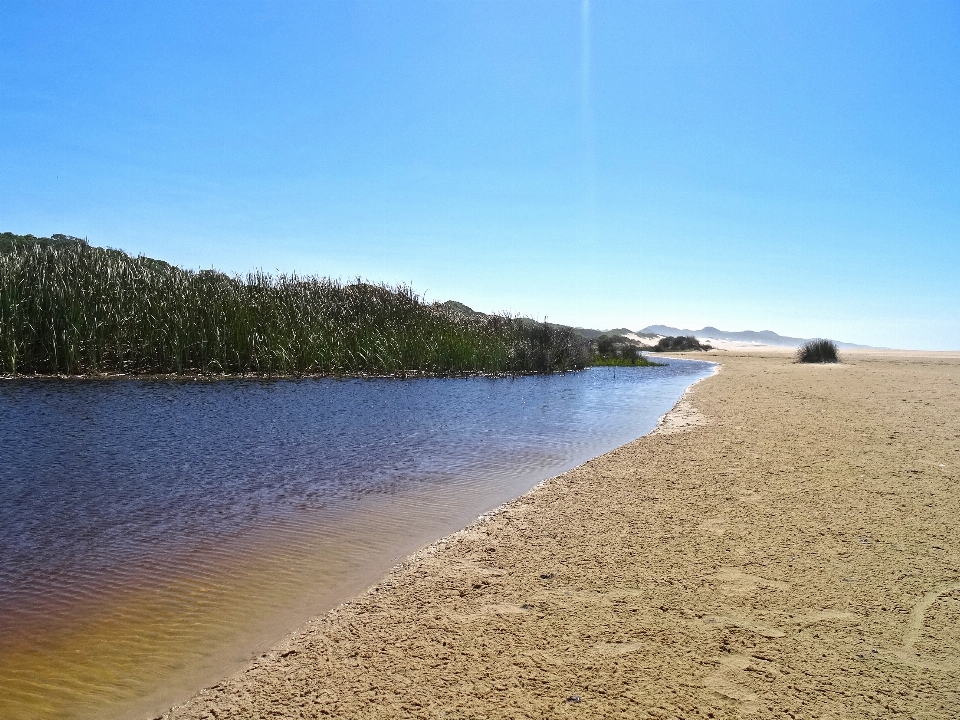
(155,535)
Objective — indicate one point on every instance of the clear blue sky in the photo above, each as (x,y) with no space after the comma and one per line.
(792,166)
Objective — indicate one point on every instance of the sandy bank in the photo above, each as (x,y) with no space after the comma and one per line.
(790,551)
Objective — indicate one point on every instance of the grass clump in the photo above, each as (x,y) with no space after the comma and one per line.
(818,351)
(70,308)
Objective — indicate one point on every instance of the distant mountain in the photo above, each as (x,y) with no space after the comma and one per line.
(651,332)
(587,333)
(762,337)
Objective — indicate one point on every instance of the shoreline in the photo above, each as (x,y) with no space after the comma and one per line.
(200,377)
(684,415)
(739,565)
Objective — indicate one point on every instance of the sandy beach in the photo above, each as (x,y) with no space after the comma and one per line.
(784,546)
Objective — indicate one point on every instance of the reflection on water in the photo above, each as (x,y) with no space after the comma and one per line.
(155,534)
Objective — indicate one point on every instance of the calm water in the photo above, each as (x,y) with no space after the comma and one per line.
(154,535)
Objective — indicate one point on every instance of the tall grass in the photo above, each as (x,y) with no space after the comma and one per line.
(818,351)
(69,308)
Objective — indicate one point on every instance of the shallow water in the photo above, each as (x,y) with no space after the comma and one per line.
(155,535)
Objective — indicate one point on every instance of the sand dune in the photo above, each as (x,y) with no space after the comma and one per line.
(784,547)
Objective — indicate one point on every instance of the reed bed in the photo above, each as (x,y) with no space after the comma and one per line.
(70,308)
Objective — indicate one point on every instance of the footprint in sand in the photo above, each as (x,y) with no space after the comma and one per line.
(733,580)
(734,676)
(716,622)
(731,682)
(746,495)
(714,526)
(735,672)
(618,648)
(822,616)
(932,638)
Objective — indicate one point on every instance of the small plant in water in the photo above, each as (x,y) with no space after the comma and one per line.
(818,351)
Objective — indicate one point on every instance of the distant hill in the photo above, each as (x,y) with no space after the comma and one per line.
(762,337)
(587,333)
(651,333)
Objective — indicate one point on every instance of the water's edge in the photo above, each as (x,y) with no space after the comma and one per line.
(163,706)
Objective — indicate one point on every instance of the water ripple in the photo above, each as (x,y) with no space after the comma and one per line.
(155,534)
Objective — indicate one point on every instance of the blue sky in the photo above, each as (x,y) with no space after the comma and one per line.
(792,166)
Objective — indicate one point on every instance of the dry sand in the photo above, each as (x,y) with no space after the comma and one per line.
(787,550)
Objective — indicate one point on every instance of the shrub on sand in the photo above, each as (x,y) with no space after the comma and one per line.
(818,351)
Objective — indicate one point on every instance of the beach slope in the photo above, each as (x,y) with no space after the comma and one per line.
(786,548)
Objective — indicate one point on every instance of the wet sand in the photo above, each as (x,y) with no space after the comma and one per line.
(783,547)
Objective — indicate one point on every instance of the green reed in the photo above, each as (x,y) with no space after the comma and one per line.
(69,308)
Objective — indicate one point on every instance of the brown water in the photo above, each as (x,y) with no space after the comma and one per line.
(156,535)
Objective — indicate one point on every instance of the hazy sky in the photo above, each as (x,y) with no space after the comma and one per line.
(792,166)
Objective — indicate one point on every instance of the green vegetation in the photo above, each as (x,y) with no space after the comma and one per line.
(818,351)
(681,343)
(69,308)
(618,350)
(594,335)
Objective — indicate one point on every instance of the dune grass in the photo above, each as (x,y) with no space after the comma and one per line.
(818,351)
(69,308)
